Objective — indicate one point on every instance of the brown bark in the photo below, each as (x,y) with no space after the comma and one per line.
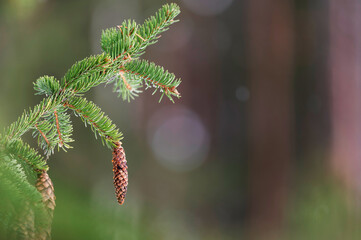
(345,91)
(270,54)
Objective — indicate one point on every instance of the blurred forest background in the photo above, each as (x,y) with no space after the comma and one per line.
(265,142)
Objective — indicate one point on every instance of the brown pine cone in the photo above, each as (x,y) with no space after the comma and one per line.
(120,173)
(46,188)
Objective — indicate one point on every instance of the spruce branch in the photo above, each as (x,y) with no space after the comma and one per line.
(92,115)
(149,31)
(16,181)
(119,44)
(26,168)
(47,85)
(55,129)
(64,127)
(29,118)
(50,122)
(129,40)
(46,136)
(127,85)
(21,151)
(120,41)
(25,208)
(86,73)
(154,76)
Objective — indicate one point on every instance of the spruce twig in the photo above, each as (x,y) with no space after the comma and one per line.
(42,134)
(58,128)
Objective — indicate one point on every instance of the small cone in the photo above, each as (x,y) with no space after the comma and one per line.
(46,188)
(120,173)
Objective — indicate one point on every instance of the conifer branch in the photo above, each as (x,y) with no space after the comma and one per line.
(155,25)
(130,39)
(121,41)
(127,85)
(54,129)
(64,127)
(94,70)
(21,186)
(29,118)
(92,115)
(47,85)
(50,122)
(154,76)
(25,201)
(20,150)
(79,76)
(46,135)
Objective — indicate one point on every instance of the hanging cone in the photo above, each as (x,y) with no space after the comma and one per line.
(46,188)
(120,172)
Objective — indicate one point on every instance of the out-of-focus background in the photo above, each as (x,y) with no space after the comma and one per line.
(265,142)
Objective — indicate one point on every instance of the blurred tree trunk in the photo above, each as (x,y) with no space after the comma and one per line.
(270,45)
(345,91)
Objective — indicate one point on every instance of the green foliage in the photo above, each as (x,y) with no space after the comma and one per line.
(129,40)
(92,115)
(29,118)
(19,198)
(18,179)
(157,24)
(154,76)
(28,157)
(118,42)
(127,85)
(86,73)
(54,129)
(50,123)
(115,65)
(46,85)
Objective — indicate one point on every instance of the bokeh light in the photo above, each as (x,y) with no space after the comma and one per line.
(242,93)
(178,138)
